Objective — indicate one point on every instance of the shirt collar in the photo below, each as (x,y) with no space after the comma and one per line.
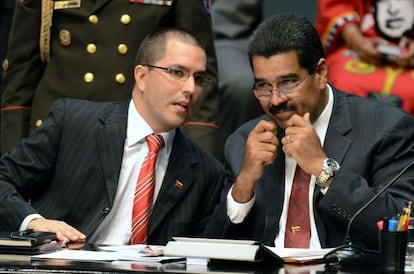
(138,129)
(321,124)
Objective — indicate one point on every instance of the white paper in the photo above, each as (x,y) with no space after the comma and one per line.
(108,253)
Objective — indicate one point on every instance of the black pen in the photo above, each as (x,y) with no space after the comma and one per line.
(385,221)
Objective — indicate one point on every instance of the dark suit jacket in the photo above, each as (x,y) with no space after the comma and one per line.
(69,169)
(371,141)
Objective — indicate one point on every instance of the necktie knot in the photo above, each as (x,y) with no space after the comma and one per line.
(155,142)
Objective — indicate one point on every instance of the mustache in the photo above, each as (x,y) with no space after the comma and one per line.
(280,108)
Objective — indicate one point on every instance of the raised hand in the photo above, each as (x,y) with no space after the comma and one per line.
(261,148)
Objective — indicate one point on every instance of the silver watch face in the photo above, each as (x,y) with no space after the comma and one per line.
(332,166)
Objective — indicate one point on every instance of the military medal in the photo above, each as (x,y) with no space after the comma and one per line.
(67,4)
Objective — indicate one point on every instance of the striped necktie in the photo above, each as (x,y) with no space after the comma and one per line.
(144,191)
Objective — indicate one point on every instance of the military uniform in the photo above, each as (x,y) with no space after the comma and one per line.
(92,51)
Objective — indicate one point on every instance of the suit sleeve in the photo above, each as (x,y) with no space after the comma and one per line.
(22,74)
(25,171)
(350,191)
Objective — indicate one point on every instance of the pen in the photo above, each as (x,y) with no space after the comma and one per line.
(385,223)
(401,220)
(380,225)
(392,225)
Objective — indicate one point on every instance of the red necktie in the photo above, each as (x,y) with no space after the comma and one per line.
(297,232)
(144,191)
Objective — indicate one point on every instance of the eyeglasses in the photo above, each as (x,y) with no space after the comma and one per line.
(264,91)
(200,79)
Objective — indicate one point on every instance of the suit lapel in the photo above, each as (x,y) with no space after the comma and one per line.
(336,146)
(178,180)
(336,142)
(110,139)
(274,185)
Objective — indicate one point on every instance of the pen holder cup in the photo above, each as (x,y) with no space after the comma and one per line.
(392,247)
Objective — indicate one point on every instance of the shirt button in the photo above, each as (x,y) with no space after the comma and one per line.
(105,210)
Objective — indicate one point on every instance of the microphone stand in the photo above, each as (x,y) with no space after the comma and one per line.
(349,254)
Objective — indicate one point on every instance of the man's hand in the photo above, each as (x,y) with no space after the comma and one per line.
(261,148)
(302,143)
(64,232)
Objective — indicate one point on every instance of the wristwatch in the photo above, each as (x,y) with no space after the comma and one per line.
(329,168)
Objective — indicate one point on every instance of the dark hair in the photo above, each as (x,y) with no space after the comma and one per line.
(286,32)
(153,46)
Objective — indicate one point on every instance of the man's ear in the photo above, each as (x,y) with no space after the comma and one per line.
(140,75)
(322,71)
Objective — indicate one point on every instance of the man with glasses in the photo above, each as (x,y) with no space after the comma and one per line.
(82,170)
(298,174)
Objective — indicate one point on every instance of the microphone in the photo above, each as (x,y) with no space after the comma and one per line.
(349,254)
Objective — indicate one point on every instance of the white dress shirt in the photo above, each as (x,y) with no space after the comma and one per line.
(116,227)
(237,211)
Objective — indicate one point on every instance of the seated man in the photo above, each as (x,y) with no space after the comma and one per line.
(80,173)
(299,173)
(354,33)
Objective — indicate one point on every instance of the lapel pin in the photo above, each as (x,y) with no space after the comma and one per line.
(178,184)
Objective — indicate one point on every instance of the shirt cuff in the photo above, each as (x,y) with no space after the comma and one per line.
(324,190)
(238,211)
(28,219)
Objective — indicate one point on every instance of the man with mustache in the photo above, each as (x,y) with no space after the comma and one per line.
(337,149)
(80,173)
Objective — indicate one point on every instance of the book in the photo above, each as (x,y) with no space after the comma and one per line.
(27,238)
(240,250)
(15,258)
(24,253)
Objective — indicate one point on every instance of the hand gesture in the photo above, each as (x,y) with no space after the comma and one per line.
(261,148)
(302,143)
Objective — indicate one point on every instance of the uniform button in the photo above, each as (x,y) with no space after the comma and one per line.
(122,49)
(125,19)
(120,78)
(93,19)
(91,48)
(65,38)
(105,210)
(88,77)
(5,64)
(38,123)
